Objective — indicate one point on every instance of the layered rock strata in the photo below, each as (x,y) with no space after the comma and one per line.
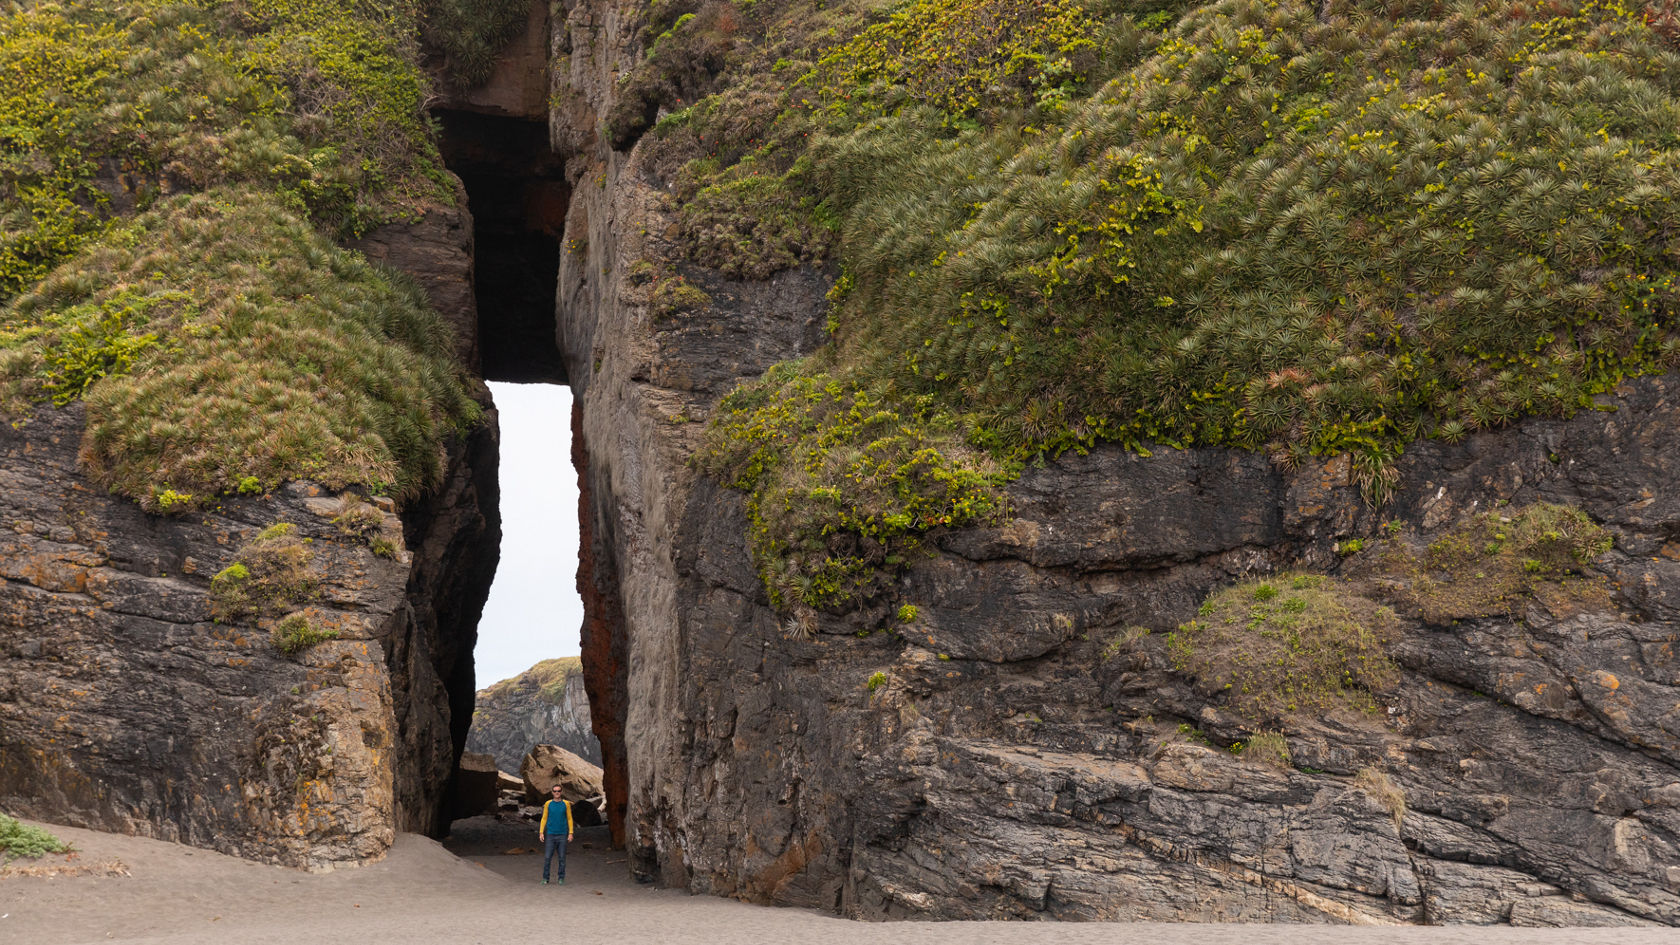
(128,703)
(1016,751)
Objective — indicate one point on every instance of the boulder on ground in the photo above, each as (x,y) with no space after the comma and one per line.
(547,765)
(477,788)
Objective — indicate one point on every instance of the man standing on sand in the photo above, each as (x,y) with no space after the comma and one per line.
(556,810)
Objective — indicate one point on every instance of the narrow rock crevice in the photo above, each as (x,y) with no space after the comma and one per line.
(605,656)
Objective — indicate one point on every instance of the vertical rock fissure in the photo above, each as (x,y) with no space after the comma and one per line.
(519,196)
(604,648)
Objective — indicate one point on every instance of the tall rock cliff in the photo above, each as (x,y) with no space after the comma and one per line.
(251,502)
(130,703)
(1023,742)
(1030,728)
(545,705)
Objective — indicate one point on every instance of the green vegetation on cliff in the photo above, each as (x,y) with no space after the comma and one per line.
(547,677)
(1303,228)
(1304,643)
(172,178)
(1288,643)
(842,483)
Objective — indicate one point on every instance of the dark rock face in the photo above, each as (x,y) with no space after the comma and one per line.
(477,788)
(1022,757)
(534,708)
(1019,753)
(454,535)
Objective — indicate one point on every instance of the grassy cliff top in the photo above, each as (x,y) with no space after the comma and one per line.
(548,678)
(173,178)
(1308,228)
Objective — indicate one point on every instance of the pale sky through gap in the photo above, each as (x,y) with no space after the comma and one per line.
(534,612)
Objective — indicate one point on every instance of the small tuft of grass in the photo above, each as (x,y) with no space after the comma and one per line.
(1382,789)
(296,632)
(1267,748)
(271,574)
(1305,649)
(1496,561)
(1123,641)
(876,681)
(357,517)
(674,296)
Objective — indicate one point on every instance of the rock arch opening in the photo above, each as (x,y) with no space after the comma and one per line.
(518,195)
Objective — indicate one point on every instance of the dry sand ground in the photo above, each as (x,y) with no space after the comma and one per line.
(424,893)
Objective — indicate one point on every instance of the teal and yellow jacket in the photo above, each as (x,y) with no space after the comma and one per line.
(548,810)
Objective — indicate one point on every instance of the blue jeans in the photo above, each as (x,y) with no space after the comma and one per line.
(554,847)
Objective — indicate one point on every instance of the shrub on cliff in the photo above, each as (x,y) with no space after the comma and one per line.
(471,35)
(1288,643)
(843,484)
(1495,562)
(273,573)
(295,633)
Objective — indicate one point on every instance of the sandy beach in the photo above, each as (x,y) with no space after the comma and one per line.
(473,892)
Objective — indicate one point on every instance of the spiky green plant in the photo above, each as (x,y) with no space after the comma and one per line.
(219,337)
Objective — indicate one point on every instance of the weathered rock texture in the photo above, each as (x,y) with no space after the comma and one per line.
(1022,749)
(124,705)
(545,705)
(1014,760)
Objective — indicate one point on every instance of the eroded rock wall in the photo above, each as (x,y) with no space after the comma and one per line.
(1016,751)
(128,704)
(1021,756)
(640,383)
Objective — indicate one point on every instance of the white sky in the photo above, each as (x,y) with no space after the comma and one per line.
(534,612)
